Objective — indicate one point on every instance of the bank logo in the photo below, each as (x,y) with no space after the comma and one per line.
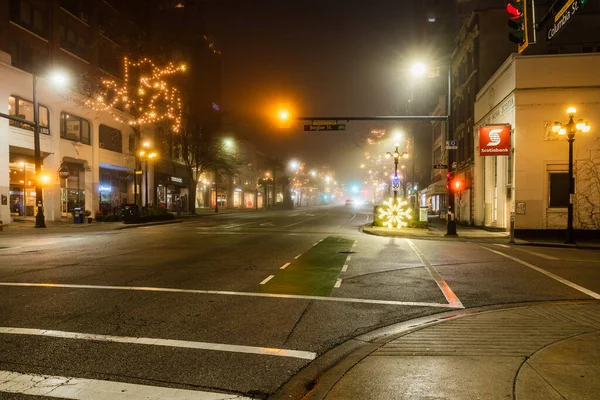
(494,136)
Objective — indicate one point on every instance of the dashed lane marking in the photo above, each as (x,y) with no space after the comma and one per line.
(338,283)
(230,293)
(345,268)
(301,222)
(444,287)
(297,257)
(284,266)
(548,274)
(267,279)
(161,342)
(502,245)
(348,258)
(91,389)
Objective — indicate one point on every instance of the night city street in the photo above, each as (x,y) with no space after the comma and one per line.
(299,200)
(241,302)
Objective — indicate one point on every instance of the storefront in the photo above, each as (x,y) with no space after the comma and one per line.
(171,190)
(112,189)
(72,188)
(22,186)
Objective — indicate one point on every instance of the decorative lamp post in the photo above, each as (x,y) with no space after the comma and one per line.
(569,129)
(396,155)
(146,155)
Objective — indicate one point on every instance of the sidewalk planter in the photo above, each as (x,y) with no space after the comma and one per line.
(376,220)
(88,214)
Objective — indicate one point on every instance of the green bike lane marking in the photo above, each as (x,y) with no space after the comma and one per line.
(314,273)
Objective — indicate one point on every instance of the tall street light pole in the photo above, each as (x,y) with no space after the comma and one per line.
(146,155)
(396,155)
(569,129)
(40,221)
(419,69)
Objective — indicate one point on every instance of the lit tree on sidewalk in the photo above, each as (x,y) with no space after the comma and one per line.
(146,96)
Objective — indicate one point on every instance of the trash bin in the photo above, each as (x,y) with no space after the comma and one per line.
(129,213)
(78,215)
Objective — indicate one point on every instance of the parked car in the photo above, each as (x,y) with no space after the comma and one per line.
(349,202)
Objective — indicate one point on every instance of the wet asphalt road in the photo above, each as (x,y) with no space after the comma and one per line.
(245,319)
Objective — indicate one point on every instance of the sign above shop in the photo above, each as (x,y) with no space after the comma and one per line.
(63,172)
(494,140)
(176,179)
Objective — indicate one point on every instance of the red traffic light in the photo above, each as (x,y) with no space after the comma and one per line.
(514,11)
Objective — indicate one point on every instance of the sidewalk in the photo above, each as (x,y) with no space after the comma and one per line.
(437,230)
(545,351)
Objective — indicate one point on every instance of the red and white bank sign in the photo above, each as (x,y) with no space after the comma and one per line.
(494,140)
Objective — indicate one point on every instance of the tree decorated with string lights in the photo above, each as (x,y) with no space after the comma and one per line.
(146,96)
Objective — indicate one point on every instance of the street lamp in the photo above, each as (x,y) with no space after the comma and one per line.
(147,154)
(419,69)
(569,129)
(396,155)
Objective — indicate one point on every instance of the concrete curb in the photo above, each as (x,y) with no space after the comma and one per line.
(442,236)
(317,379)
(559,245)
(131,226)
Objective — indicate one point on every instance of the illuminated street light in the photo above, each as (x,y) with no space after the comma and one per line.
(313,173)
(569,129)
(294,165)
(419,69)
(147,154)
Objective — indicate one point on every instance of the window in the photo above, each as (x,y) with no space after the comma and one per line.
(73,42)
(24,109)
(74,128)
(31,16)
(110,139)
(558,189)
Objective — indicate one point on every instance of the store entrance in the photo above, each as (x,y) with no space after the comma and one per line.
(22,189)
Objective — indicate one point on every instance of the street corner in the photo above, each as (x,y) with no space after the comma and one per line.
(403,232)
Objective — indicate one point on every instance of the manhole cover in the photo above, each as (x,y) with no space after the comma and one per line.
(346,252)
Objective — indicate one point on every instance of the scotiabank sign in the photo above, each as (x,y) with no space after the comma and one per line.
(494,140)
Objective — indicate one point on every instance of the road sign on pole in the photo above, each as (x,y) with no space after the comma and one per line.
(317,128)
(452,144)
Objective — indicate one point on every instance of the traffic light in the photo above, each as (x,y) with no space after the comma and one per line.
(516,21)
(453,183)
(517,9)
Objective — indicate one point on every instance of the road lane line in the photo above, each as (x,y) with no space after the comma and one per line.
(301,222)
(444,287)
(229,293)
(267,279)
(348,258)
(297,257)
(535,253)
(161,342)
(315,244)
(345,268)
(267,224)
(91,389)
(338,283)
(502,245)
(284,266)
(548,274)
(353,216)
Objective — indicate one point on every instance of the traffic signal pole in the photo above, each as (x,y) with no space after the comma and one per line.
(451,223)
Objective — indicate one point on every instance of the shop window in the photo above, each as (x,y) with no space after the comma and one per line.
(24,109)
(31,16)
(110,139)
(74,128)
(558,189)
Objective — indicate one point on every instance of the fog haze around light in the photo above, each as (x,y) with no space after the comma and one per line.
(329,58)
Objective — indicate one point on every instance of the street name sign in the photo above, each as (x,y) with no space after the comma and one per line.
(317,128)
(563,16)
(452,144)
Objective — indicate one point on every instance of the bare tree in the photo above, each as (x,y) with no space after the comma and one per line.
(587,196)
(202,151)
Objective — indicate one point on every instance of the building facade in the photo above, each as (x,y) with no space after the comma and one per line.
(481,47)
(530,93)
